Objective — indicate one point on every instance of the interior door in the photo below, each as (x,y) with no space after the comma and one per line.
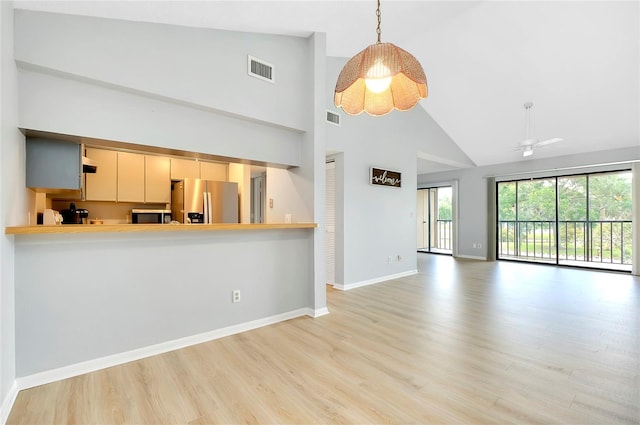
(330,222)
(257,198)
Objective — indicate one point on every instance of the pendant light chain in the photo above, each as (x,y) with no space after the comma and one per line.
(379,15)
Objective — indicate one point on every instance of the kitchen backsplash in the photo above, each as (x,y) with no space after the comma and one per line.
(109,212)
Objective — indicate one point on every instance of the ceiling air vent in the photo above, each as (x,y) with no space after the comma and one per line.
(333,118)
(260,69)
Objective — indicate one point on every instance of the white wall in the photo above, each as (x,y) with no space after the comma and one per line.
(474,220)
(374,223)
(13,204)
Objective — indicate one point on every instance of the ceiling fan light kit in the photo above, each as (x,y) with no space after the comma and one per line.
(379,79)
(529,143)
(527,151)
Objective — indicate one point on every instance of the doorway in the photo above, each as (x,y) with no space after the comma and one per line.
(258,189)
(434,215)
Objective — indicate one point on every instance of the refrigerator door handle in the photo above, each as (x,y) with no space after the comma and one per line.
(205,207)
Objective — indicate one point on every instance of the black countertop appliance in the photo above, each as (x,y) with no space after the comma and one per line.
(74,215)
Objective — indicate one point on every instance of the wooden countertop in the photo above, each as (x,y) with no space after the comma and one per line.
(122,228)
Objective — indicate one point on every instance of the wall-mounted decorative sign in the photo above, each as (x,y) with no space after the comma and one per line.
(382,177)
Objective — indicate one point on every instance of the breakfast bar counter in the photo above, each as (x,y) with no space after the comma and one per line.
(125,228)
(101,294)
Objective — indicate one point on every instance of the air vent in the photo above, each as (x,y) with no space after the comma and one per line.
(260,69)
(333,118)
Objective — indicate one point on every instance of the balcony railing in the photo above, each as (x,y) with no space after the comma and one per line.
(604,242)
(443,235)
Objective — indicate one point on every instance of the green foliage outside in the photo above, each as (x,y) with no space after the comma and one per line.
(444,204)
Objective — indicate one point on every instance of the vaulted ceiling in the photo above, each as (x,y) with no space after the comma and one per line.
(578,62)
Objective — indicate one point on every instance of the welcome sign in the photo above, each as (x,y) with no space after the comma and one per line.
(381,177)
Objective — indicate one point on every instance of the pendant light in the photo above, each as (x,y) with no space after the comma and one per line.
(379,79)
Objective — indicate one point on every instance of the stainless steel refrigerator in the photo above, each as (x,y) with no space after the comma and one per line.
(216,201)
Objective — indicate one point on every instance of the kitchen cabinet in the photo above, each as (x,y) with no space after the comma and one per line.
(133,177)
(214,171)
(157,179)
(192,169)
(103,184)
(184,169)
(130,177)
(53,164)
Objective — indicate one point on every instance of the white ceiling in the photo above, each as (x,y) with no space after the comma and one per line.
(579,62)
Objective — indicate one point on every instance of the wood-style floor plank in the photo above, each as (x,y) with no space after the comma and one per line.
(460,342)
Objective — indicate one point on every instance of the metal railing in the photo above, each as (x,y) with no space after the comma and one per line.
(604,241)
(443,235)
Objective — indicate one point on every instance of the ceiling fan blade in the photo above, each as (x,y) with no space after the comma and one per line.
(549,141)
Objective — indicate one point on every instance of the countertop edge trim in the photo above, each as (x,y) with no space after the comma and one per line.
(129,228)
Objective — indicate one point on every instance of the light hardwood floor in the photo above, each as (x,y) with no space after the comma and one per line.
(461,342)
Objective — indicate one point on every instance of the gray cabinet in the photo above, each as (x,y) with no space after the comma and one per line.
(53,164)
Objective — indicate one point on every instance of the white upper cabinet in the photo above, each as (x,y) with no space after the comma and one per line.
(130,177)
(184,169)
(192,169)
(133,177)
(157,178)
(214,171)
(103,184)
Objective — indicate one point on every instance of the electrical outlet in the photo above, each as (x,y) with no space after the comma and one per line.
(479,245)
(235,296)
(399,258)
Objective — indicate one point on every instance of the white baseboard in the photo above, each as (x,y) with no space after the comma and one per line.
(65,372)
(471,257)
(7,403)
(349,286)
(318,312)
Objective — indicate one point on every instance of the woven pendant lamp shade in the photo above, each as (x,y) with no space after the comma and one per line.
(381,60)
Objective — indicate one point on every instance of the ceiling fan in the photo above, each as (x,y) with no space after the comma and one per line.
(527,145)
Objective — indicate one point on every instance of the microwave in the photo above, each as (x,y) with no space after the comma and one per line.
(139,216)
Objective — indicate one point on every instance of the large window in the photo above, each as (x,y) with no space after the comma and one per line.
(581,220)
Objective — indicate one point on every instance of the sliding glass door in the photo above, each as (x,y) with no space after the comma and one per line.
(581,220)
(435,220)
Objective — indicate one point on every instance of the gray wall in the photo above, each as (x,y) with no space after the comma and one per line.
(13,201)
(191,65)
(162,85)
(83,297)
(473,195)
(181,88)
(299,191)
